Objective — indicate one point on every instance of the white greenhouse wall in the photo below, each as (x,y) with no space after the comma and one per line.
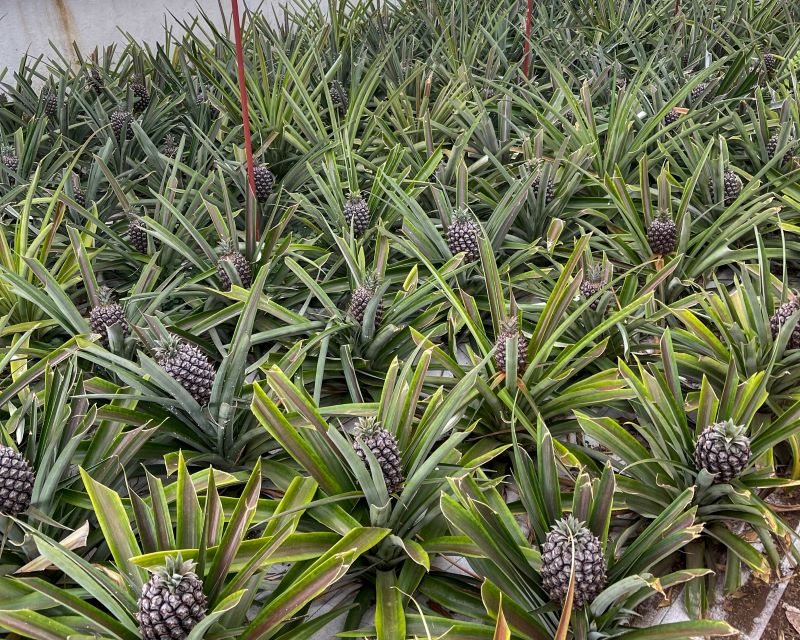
(30,26)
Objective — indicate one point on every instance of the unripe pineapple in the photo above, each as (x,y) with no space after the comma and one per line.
(672,116)
(121,121)
(338,96)
(662,234)
(549,192)
(141,98)
(557,555)
(229,253)
(463,235)
(509,329)
(772,148)
(50,100)
(189,366)
(172,601)
(78,196)
(723,449)
(696,96)
(95,81)
(771,63)
(137,234)
(170,146)
(107,314)
(356,213)
(383,445)
(16,482)
(731,185)
(265,181)
(781,317)
(361,298)
(592,283)
(10,159)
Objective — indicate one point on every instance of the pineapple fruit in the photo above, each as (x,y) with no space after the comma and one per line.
(107,314)
(172,601)
(338,97)
(169,147)
(771,63)
(9,158)
(510,329)
(780,317)
(189,366)
(731,186)
(662,234)
(592,283)
(141,97)
(383,445)
(361,298)
(228,252)
(137,235)
(121,121)
(557,556)
(672,117)
(463,235)
(772,149)
(356,213)
(16,482)
(265,181)
(723,449)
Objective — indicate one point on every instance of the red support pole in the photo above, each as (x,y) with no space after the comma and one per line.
(248,141)
(527,60)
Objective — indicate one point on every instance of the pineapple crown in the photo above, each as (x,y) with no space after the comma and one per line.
(509,326)
(570,527)
(595,273)
(105,296)
(730,431)
(227,246)
(367,426)
(352,196)
(7,150)
(170,140)
(168,347)
(664,215)
(175,569)
(371,282)
(463,214)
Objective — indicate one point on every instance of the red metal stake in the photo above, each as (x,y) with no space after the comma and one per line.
(527,49)
(248,141)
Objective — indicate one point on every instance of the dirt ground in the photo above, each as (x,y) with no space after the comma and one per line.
(781,626)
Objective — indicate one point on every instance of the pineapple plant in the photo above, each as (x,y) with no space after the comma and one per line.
(338,96)
(187,365)
(9,158)
(570,539)
(228,252)
(463,235)
(723,449)
(16,482)
(362,296)
(137,235)
(141,97)
(172,601)
(369,435)
(265,181)
(731,186)
(106,314)
(356,213)
(592,283)
(121,121)
(509,329)
(780,317)
(662,234)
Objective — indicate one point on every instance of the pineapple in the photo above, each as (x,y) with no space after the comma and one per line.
(549,192)
(137,235)
(189,366)
(16,482)
(780,317)
(228,253)
(50,101)
(141,98)
(121,121)
(169,147)
(78,196)
(672,117)
(509,329)
(771,63)
(95,81)
(463,235)
(592,283)
(731,186)
(338,97)
(557,555)
(697,94)
(356,213)
(10,159)
(772,149)
(383,445)
(172,601)
(361,298)
(265,181)
(107,314)
(662,234)
(723,449)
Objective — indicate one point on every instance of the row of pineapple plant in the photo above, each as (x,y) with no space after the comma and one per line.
(499,342)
